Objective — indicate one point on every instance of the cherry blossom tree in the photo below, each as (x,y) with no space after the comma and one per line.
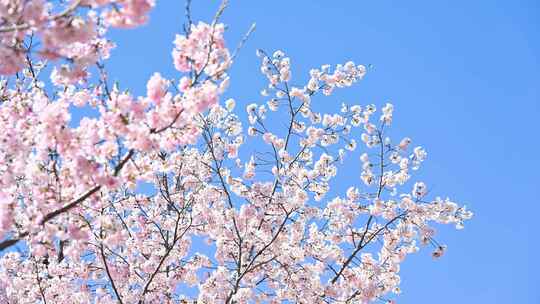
(222,225)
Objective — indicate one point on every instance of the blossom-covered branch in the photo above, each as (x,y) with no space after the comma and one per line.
(147,196)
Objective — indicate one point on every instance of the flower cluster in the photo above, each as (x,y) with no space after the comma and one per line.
(73,31)
(203,50)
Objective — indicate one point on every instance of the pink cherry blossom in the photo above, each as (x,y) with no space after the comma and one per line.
(156,88)
(145,195)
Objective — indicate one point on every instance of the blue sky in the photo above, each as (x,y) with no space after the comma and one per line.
(464,78)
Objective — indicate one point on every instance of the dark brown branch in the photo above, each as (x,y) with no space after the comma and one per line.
(109,274)
(49,216)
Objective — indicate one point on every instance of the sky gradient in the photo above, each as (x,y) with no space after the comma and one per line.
(464,79)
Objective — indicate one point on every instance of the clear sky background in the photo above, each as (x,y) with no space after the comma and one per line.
(464,78)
